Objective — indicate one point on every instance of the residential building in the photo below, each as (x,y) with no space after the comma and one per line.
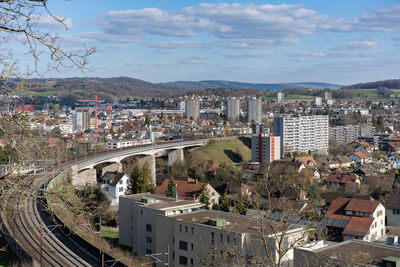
(254,110)
(395,159)
(192,109)
(137,219)
(232,109)
(259,128)
(361,157)
(350,218)
(366,131)
(80,121)
(265,148)
(349,253)
(344,134)
(342,179)
(317,101)
(280,98)
(193,238)
(392,206)
(114,185)
(327,95)
(303,133)
(190,190)
(181,105)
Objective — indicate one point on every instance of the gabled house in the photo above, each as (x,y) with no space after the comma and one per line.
(342,179)
(385,162)
(190,190)
(360,146)
(349,218)
(392,206)
(395,159)
(361,157)
(391,147)
(309,162)
(114,185)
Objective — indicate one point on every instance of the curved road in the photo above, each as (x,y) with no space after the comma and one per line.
(37,233)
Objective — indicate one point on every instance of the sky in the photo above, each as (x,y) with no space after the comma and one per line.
(340,42)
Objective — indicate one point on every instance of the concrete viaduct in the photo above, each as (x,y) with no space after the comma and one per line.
(85,172)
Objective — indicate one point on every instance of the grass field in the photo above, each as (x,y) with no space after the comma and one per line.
(224,151)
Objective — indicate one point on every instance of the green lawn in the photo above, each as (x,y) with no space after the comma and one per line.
(227,151)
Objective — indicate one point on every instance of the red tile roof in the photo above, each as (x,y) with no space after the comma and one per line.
(358,226)
(342,178)
(186,190)
(362,205)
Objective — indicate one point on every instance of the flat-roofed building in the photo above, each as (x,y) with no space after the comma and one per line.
(137,219)
(192,109)
(213,238)
(232,109)
(254,110)
(265,148)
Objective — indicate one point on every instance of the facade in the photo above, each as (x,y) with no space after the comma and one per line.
(259,128)
(80,121)
(392,206)
(302,133)
(344,134)
(233,110)
(193,238)
(317,101)
(254,110)
(181,105)
(327,95)
(192,109)
(280,98)
(265,148)
(367,131)
(114,184)
(137,219)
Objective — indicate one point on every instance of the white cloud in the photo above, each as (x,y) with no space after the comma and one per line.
(178,44)
(252,54)
(51,23)
(192,60)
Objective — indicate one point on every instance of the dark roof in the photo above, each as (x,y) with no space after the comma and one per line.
(393,201)
(331,196)
(342,178)
(221,187)
(114,177)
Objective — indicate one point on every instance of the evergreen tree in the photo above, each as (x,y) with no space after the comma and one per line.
(205,197)
(224,203)
(215,206)
(171,189)
(147,120)
(240,206)
(141,180)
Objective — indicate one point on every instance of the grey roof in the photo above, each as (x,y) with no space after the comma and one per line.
(114,177)
(393,201)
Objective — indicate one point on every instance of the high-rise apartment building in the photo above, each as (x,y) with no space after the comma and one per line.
(280,98)
(344,134)
(302,133)
(80,121)
(232,109)
(254,110)
(265,148)
(327,95)
(317,101)
(192,109)
(181,105)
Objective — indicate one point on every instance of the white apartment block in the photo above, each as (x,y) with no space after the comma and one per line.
(254,110)
(80,121)
(303,133)
(233,109)
(344,134)
(280,98)
(265,148)
(317,101)
(192,109)
(214,238)
(138,217)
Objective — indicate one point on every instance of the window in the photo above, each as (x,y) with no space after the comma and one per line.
(182,245)
(186,229)
(180,228)
(106,188)
(148,239)
(182,260)
(396,211)
(213,194)
(141,212)
(191,261)
(379,213)
(148,251)
(121,189)
(192,246)
(121,181)
(228,239)
(221,238)
(192,230)
(148,227)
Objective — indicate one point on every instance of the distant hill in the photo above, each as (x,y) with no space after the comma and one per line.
(390,84)
(102,87)
(239,85)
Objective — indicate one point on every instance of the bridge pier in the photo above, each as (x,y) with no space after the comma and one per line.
(115,167)
(175,156)
(80,179)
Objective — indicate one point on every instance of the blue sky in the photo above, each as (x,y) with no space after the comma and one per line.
(250,41)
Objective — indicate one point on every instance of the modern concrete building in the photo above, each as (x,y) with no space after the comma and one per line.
(327,95)
(259,128)
(192,109)
(232,109)
(80,121)
(344,134)
(138,213)
(254,110)
(181,105)
(265,148)
(303,133)
(280,98)
(317,101)
(214,238)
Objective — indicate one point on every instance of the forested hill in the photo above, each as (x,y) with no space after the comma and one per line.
(390,84)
